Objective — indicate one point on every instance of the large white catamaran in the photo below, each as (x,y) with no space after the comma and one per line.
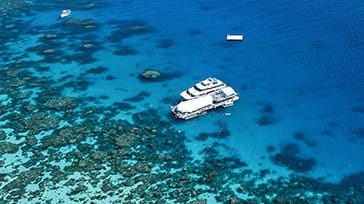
(208,94)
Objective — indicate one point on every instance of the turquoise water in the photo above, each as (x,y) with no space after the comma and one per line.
(79,124)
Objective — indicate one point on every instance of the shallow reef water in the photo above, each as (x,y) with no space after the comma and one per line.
(64,140)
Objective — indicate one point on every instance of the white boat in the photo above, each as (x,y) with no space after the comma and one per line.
(234,37)
(65,13)
(202,88)
(187,109)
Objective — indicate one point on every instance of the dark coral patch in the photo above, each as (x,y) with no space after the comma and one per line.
(128,28)
(79,58)
(357,109)
(2,135)
(110,77)
(139,97)
(360,133)
(270,148)
(264,172)
(169,100)
(122,106)
(222,133)
(8,147)
(165,43)
(75,26)
(125,51)
(317,46)
(150,118)
(96,70)
(290,158)
(210,151)
(203,136)
(42,68)
(267,108)
(355,179)
(103,97)
(194,32)
(227,163)
(265,120)
(327,133)
(300,136)
(357,135)
(81,84)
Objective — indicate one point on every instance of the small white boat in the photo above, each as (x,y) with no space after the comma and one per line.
(234,37)
(65,13)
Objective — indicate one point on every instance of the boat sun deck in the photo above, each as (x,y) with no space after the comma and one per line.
(202,88)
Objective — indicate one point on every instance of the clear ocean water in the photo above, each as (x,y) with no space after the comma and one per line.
(80,124)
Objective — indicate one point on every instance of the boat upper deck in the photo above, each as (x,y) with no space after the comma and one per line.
(202,88)
(208,84)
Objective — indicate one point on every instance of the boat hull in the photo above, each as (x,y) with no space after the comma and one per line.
(202,111)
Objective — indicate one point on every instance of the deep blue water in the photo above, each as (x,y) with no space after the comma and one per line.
(298,71)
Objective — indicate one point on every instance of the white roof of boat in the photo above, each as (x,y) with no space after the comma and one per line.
(228,91)
(194,104)
(208,83)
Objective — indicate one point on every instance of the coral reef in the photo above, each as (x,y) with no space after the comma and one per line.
(265,120)
(8,147)
(266,117)
(97,70)
(165,43)
(290,158)
(61,103)
(139,97)
(301,137)
(128,28)
(57,148)
(154,75)
(125,51)
(150,74)
(63,137)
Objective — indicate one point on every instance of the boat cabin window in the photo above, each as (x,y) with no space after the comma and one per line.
(220,93)
(189,93)
(205,83)
(197,88)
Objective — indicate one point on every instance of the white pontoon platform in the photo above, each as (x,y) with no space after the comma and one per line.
(234,37)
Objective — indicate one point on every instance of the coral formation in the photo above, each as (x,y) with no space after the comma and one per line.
(139,97)
(150,74)
(125,50)
(265,120)
(165,43)
(290,158)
